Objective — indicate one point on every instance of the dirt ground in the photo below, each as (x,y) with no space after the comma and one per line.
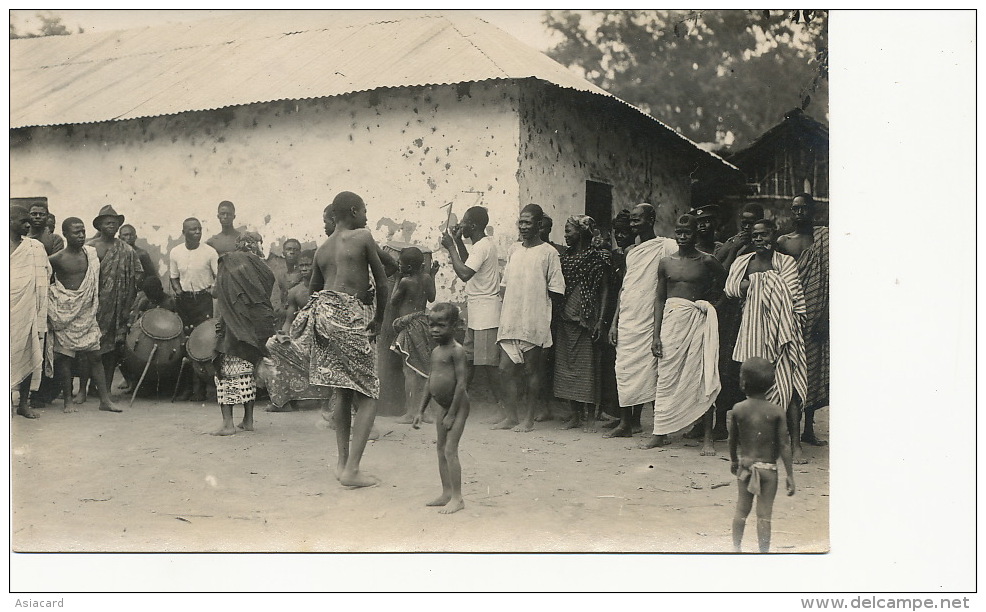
(151,479)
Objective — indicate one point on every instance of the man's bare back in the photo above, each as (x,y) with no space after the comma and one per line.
(70,267)
(341,263)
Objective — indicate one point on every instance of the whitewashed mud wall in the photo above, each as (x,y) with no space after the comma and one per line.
(406,151)
(568,138)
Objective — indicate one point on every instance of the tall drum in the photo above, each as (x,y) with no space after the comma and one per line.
(154,343)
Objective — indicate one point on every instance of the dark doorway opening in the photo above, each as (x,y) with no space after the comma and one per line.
(599,204)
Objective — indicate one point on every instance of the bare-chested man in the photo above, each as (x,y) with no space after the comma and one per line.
(225,240)
(72,310)
(686,337)
(343,304)
(808,244)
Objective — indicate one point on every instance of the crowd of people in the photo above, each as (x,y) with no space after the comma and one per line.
(608,323)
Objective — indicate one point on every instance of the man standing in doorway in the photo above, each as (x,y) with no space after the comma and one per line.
(193,267)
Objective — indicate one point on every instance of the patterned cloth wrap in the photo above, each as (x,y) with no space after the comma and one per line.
(584,272)
(119,273)
(334,325)
(235,381)
(72,313)
(413,342)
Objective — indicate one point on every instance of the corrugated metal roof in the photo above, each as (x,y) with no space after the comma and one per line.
(263,56)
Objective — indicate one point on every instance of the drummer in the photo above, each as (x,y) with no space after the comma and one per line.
(192,269)
(151,295)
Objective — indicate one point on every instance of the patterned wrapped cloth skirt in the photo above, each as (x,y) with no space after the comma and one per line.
(235,383)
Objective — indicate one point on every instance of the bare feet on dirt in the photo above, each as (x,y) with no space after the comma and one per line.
(654,442)
(441,500)
(620,431)
(357,479)
(454,505)
(506,423)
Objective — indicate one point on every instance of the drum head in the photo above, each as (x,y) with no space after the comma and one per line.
(202,341)
(160,324)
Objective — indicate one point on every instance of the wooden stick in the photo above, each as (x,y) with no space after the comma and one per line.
(147,367)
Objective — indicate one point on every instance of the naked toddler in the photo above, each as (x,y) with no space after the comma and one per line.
(758,429)
(447,386)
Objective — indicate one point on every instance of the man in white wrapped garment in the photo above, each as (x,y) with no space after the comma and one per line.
(686,338)
(632,331)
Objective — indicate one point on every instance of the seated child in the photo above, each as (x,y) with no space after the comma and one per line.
(414,287)
(758,429)
(447,386)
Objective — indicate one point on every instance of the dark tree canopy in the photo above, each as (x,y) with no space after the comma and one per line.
(51,25)
(716,76)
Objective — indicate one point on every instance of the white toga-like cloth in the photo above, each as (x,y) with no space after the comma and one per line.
(636,366)
(689,380)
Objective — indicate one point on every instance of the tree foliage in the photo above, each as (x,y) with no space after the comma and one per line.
(716,76)
(51,25)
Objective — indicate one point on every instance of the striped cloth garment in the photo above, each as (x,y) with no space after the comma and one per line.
(813,270)
(773,314)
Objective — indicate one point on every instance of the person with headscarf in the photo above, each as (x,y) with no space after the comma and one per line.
(245,322)
(580,322)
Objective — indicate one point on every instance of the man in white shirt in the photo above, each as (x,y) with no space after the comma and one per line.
(479,269)
(192,268)
(533,273)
